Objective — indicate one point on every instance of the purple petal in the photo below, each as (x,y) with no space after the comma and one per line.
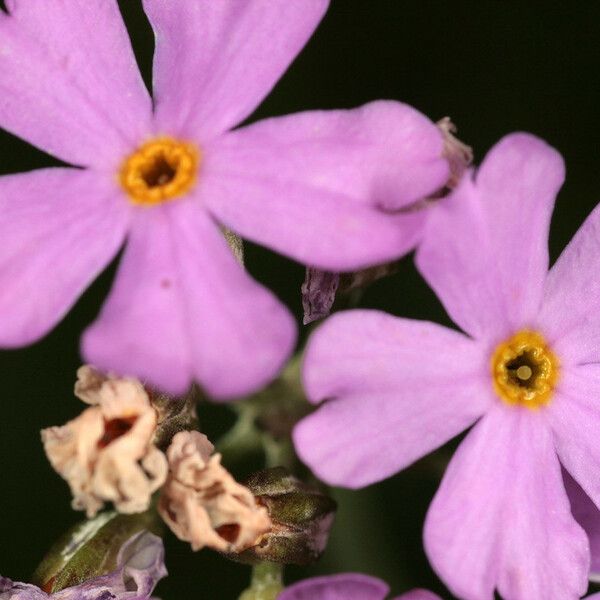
(418,595)
(394,390)
(183,308)
(68,79)
(318,293)
(59,228)
(15,590)
(140,566)
(501,518)
(572,296)
(216,61)
(587,515)
(484,250)
(317,186)
(574,416)
(346,586)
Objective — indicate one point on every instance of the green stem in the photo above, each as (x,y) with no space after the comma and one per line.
(266,584)
(243,438)
(278,453)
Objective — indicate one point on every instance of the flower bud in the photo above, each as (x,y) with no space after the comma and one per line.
(301,517)
(92,549)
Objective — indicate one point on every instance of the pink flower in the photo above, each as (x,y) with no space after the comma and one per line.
(526,376)
(168,174)
(347,586)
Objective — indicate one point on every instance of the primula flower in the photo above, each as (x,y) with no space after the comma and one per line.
(526,375)
(140,565)
(167,174)
(347,586)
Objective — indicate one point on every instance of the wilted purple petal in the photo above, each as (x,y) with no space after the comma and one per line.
(216,61)
(393,390)
(320,288)
(501,518)
(59,228)
(183,308)
(140,565)
(485,248)
(14,590)
(69,82)
(318,293)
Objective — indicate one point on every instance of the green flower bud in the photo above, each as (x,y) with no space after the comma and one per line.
(90,549)
(302,516)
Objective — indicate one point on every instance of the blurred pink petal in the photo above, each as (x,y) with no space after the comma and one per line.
(183,308)
(69,81)
(59,229)
(316,186)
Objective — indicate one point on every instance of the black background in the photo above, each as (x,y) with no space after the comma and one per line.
(494,67)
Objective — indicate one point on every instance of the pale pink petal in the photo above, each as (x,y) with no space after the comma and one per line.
(216,61)
(394,390)
(588,516)
(59,228)
(184,309)
(69,83)
(572,296)
(485,250)
(345,586)
(501,518)
(318,186)
(574,416)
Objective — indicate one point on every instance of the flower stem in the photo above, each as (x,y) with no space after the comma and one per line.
(266,584)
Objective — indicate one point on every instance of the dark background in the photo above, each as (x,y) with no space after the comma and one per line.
(494,67)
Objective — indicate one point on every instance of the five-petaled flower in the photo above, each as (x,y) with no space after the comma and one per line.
(168,174)
(526,377)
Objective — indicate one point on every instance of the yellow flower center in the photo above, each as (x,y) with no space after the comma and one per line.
(524,370)
(160,170)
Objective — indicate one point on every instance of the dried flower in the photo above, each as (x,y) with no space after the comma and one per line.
(106,454)
(203,504)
